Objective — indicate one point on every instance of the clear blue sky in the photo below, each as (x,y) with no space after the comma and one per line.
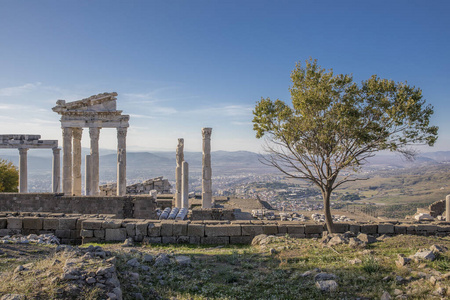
(179,66)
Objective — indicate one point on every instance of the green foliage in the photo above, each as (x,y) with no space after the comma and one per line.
(370,265)
(9,176)
(334,124)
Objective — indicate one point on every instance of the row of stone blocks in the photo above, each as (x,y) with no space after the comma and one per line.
(72,230)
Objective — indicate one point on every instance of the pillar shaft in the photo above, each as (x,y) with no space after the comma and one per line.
(447,208)
(67,160)
(56,174)
(88,175)
(178,171)
(206,169)
(94,133)
(23,172)
(185,185)
(121,161)
(76,161)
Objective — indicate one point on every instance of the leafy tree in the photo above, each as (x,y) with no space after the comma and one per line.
(335,124)
(9,176)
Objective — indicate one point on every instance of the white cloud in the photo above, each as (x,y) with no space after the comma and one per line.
(18,90)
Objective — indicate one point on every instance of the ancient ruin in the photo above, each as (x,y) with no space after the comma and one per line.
(23,142)
(206,169)
(96,112)
(178,172)
(158,184)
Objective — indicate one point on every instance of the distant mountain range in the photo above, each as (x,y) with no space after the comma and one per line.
(152,164)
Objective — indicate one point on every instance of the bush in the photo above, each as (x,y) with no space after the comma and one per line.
(9,177)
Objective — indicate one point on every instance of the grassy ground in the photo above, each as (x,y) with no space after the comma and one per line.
(246,272)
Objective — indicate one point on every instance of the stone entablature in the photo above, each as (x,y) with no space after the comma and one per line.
(96,112)
(162,186)
(23,142)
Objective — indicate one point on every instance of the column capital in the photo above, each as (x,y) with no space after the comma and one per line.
(206,133)
(121,132)
(94,132)
(67,131)
(77,132)
(56,150)
(23,151)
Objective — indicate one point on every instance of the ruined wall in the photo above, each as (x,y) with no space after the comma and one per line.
(162,186)
(122,207)
(437,208)
(74,229)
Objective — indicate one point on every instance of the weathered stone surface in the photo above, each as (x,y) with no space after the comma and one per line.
(166,229)
(354,228)
(425,254)
(251,230)
(366,238)
(63,234)
(196,230)
(86,233)
(183,260)
(327,285)
(152,240)
(369,229)
(169,240)
(67,223)
(400,229)
(112,224)
(131,229)
(51,224)
(246,239)
(32,223)
(180,228)
(91,224)
(309,228)
(270,229)
(99,233)
(222,230)
(195,240)
(118,234)
(3,223)
(324,276)
(385,228)
(215,240)
(154,229)
(385,296)
(141,228)
(340,227)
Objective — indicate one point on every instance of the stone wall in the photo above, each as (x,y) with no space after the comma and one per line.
(437,208)
(74,229)
(162,186)
(139,206)
(212,214)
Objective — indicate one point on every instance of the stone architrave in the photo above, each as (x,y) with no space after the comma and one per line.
(185,185)
(76,161)
(178,172)
(23,142)
(67,160)
(206,169)
(96,112)
(88,175)
(23,172)
(56,176)
(121,161)
(94,133)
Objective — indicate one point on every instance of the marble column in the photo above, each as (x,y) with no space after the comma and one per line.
(178,172)
(121,161)
(67,161)
(447,208)
(23,172)
(185,185)
(56,166)
(206,169)
(87,175)
(76,161)
(94,133)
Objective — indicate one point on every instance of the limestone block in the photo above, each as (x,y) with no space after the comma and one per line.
(63,234)
(295,229)
(91,224)
(5,232)
(68,223)
(313,229)
(152,240)
(427,228)
(3,222)
(112,224)
(131,229)
(183,239)
(32,223)
(90,240)
(270,229)
(215,240)
(400,229)
(116,234)
(166,229)
(99,233)
(354,228)
(443,228)
(369,229)
(14,223)
(341,227)
(252,230)
(282,229)
(222,230)
(247,239)
(411,229)
(87,233)
(154,229)
(180,228)
(80,223)
(52,224)
(195,240)
(385,228)
(142,228)
(196,230)
(169,240)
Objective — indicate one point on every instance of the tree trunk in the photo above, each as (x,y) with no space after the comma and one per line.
(327,211)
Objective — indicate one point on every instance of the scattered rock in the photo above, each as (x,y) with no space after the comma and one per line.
(441,291)
(324,276)
(385,296)
(437,249)
(147,258)
(423,217)
(402,260)
(257,239)
(398,292)
(425,254)
(327,285)
(12,297)
(355,261)
(128,242)
(133,263)
(162,260)
(366,238)
(183,260)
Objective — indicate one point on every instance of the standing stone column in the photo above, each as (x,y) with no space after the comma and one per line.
(56,166)
(121,161)
(23,172)
(67,160)
(185,185)
(178,171)
(87,175)
(94,133)
(206,169)
(76,161)
(447,208)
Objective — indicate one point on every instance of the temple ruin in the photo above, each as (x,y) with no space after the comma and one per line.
(96,112)
(23,142)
